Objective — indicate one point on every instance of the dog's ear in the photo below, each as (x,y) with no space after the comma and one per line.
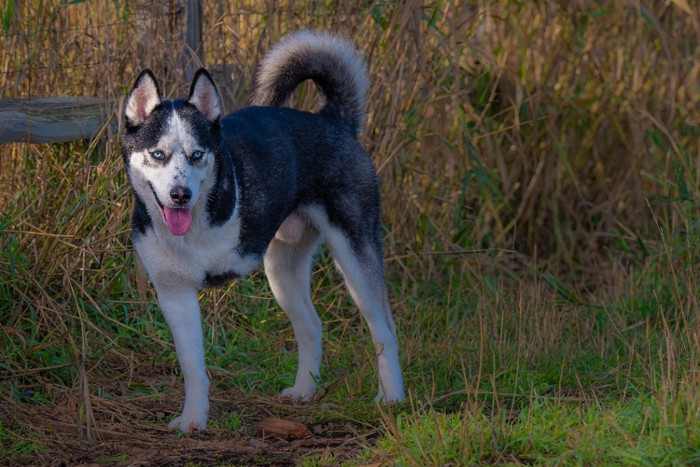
(143,98)
(204,95)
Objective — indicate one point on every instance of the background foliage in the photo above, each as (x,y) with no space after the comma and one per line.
(540,174)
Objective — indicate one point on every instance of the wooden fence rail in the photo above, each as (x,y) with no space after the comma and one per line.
(61,119)
(53,119)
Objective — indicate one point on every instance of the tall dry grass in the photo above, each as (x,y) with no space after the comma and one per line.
(545,128)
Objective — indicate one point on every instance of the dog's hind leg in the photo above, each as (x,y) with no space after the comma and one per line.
(288,269)
(362,268)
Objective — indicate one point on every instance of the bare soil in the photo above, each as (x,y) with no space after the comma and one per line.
(119,431)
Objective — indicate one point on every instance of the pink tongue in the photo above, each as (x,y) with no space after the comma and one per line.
(178,220)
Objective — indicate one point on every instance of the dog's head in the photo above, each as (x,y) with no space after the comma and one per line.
(169,148)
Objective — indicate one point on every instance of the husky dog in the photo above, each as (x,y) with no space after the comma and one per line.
(216,196)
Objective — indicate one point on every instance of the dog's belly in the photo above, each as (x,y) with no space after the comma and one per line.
(228,267)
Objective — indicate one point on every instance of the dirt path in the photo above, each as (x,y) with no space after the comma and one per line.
(133,432)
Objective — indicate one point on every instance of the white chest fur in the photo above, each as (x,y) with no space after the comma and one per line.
(188,259)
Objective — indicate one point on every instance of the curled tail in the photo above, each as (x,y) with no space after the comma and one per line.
(332,63)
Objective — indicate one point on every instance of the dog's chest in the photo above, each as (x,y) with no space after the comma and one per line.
(203,258)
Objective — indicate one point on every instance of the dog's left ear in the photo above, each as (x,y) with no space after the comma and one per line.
(204,95)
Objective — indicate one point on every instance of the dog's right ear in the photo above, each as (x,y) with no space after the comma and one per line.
(143,98)
(205,96)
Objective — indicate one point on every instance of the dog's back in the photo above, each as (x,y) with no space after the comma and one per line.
(314,160)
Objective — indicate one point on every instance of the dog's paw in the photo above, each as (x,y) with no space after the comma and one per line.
(296,394)
(188,423)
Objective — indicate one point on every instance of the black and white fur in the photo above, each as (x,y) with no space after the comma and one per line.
(216,196)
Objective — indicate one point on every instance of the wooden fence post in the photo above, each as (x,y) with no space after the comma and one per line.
(193,38)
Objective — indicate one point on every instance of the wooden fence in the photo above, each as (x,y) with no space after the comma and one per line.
(56,119)
(53,119)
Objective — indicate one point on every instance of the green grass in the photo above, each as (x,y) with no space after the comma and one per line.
(232,422)
(631,431)
(542,230)
(18,441)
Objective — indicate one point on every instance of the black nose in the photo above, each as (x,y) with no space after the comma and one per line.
(181,195)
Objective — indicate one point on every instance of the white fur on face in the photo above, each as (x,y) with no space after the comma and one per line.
(178,144)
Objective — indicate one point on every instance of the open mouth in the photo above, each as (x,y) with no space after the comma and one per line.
(178,219)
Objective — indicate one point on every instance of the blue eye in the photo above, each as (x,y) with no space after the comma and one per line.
(159,155)
(196,155)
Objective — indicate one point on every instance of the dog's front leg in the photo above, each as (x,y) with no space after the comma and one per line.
(181,310)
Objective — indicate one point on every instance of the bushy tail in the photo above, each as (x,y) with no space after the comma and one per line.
(332,63)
